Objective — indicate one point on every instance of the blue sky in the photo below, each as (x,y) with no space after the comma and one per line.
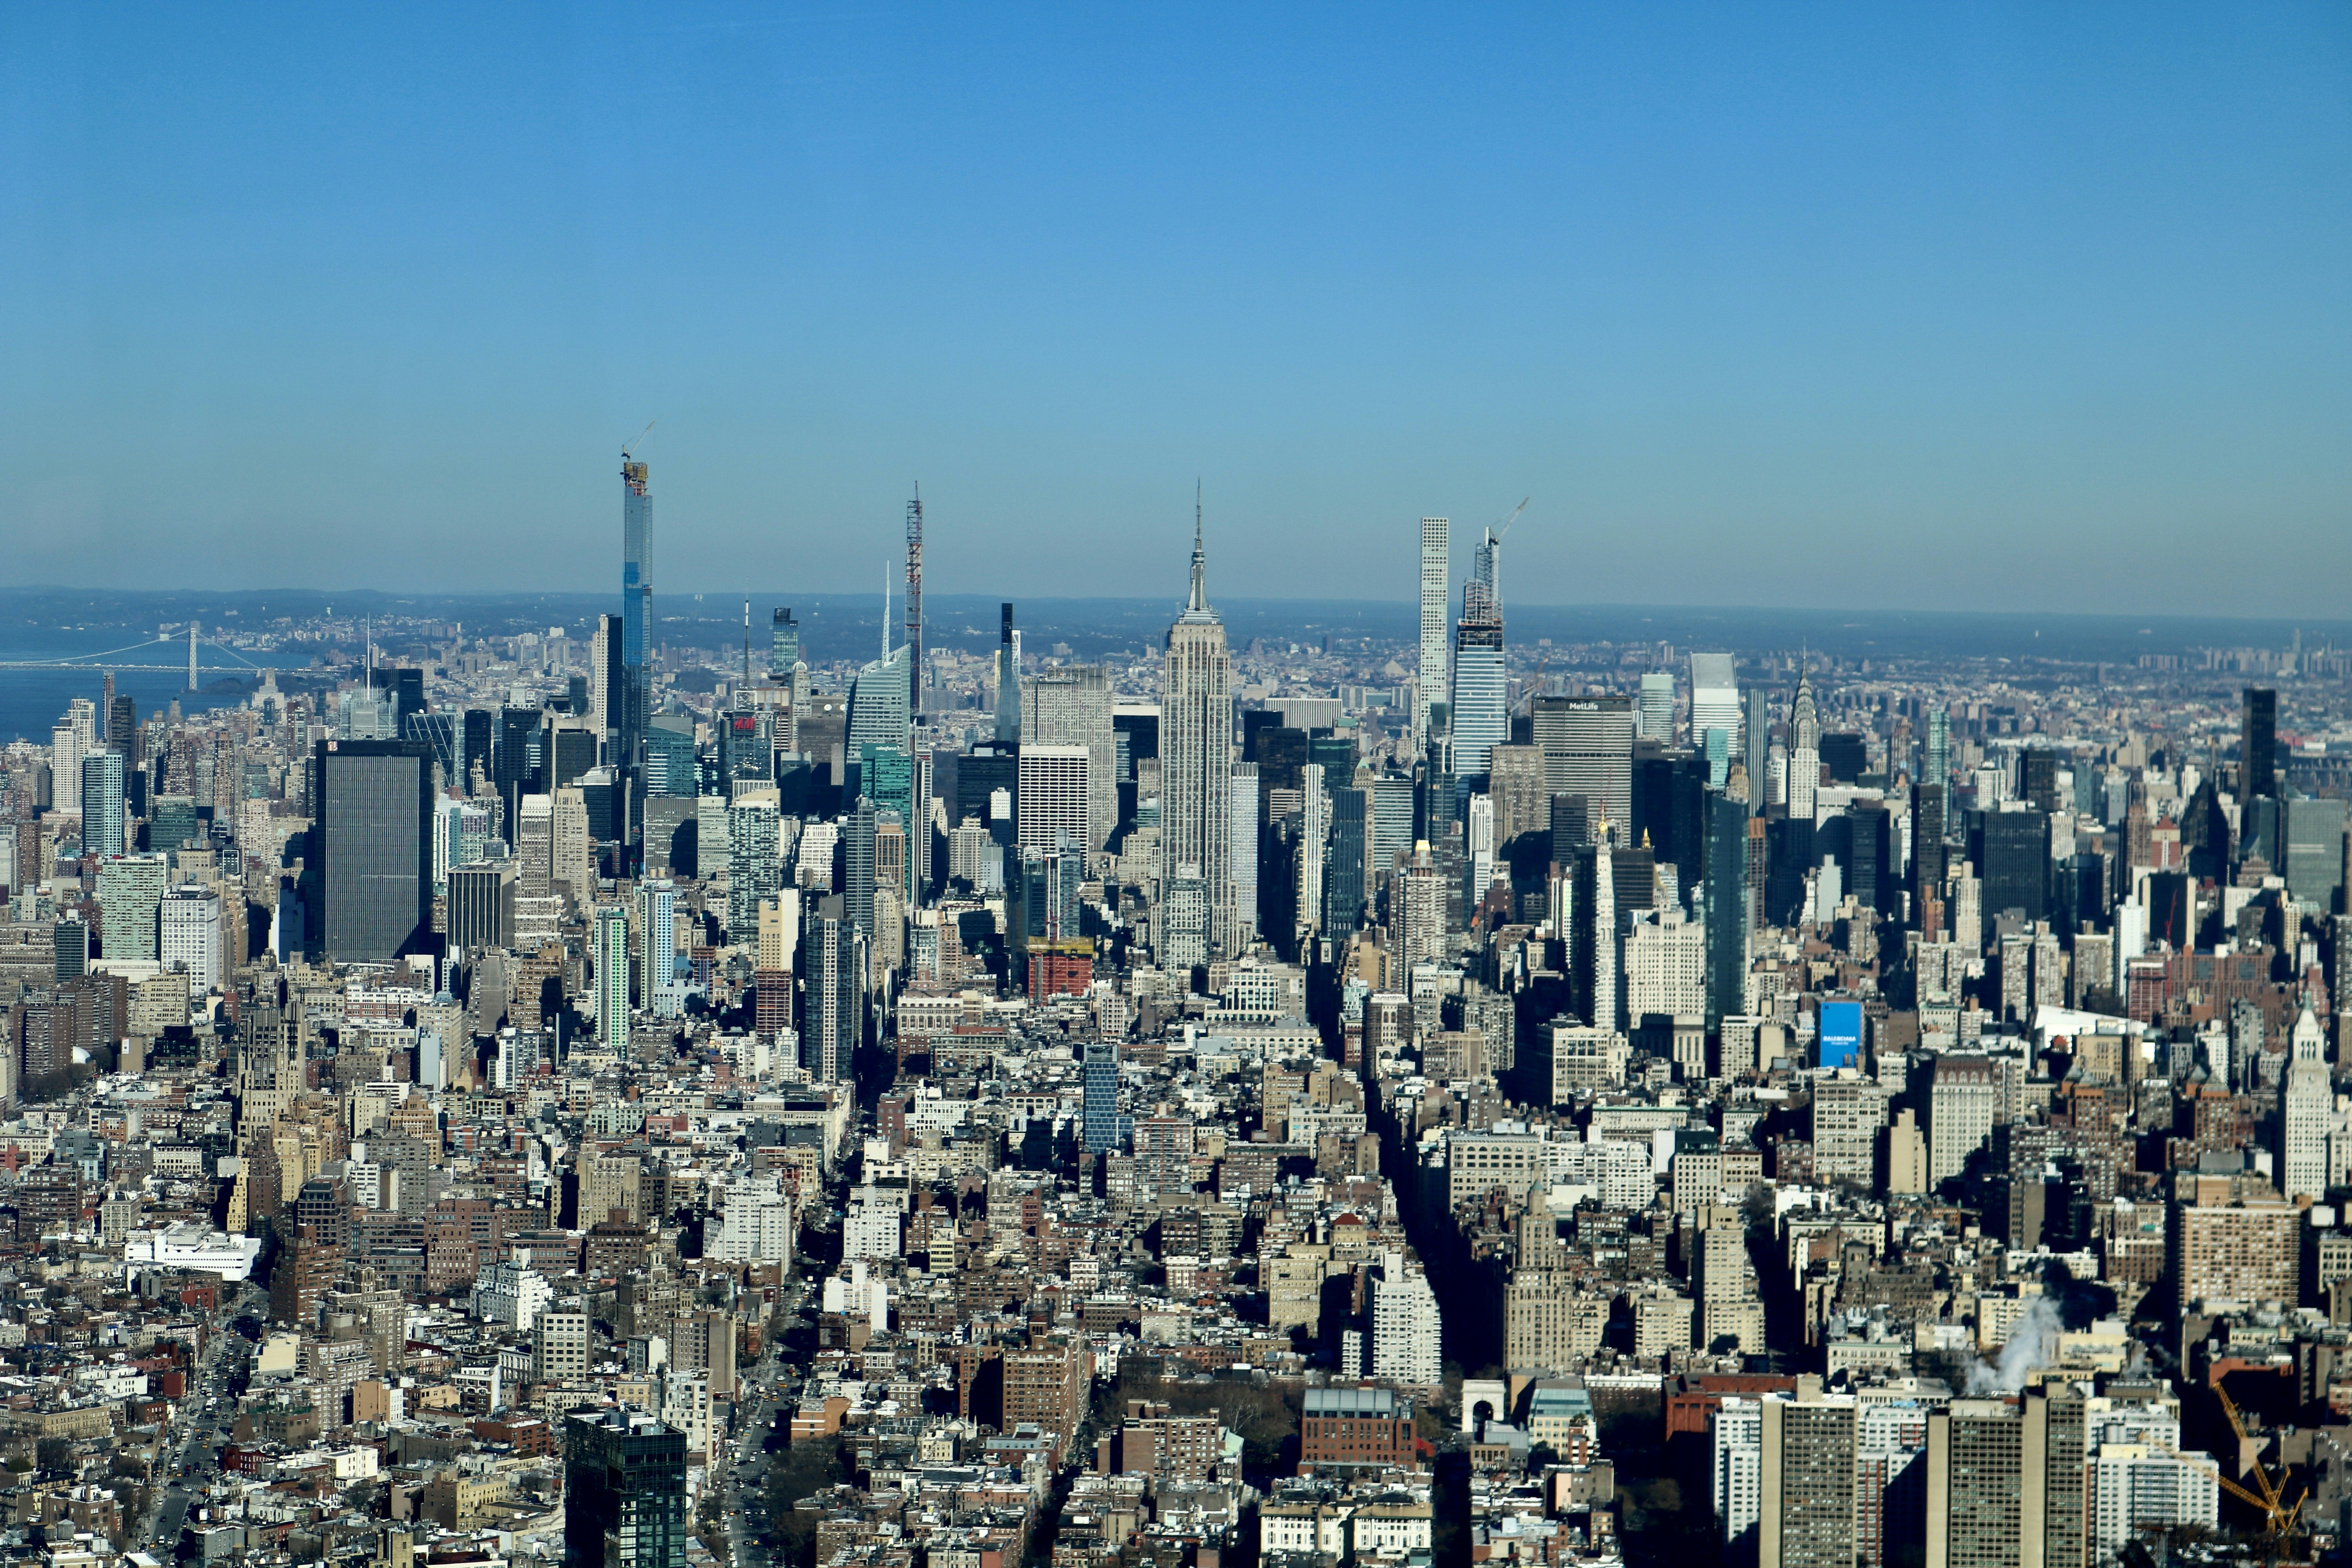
(1958,307)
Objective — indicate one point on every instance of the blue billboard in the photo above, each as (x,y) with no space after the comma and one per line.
(1840,1035)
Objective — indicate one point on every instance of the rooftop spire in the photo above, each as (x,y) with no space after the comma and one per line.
(1199,602)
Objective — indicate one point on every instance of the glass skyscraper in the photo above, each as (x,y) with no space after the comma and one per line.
(1481,693)
(102,802)
(372,840)
(637,605)
(624,1492)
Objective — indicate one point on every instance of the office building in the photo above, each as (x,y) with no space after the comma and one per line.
(129,906)
(1344,885)
(1100,1125)
(1756,733)
(2258,743)
(1479,720)
(1196,757)
(481,906)
(189,935)
(1714,699)
(1963,1101)
(1008,680)
(880,698)
(372,839)
(1436,593)
(624,1489)
(784,644)
(1243,800)
(1588,748)
(1657,706)
(1729,917)
(755,867)
(1056,796)
(1804,780)
(2306,1114)
(1069,705)
(1806,1483)
(2012,858)
(2311,849)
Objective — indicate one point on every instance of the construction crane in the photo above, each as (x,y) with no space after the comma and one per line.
(2278,1513)
(627,447)
(2265,1496)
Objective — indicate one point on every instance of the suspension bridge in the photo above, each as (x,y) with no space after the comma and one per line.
(110,659)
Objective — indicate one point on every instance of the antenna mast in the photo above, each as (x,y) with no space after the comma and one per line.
(914,604)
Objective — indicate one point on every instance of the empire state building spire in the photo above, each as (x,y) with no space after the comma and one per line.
(1198,604)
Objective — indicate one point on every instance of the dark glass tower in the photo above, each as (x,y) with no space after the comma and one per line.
(636,607)
(624,1492)
(1727,907)
(372,846)
(2258,743)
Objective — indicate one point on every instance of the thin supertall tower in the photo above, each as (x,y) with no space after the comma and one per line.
(637,605)
(1196,753)
(915,605)
(1436,570)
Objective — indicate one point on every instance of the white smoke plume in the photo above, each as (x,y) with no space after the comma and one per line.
(2032,1342)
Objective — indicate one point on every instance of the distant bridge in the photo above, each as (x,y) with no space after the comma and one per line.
(108,660)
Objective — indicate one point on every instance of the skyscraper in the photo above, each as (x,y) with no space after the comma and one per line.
(1727,907)
(101,804)
(636,607)
(1588,747)
(1343,867)
(879,698)
(2306,1105)
(1479,720)
(2258,743)
(1008,680)
(372,838)
(1196,753)
(131,904)
(784,643)
(1714,698)
(1658,705)
(1056,793)
(1938,765)
(1242,798)
(1069,705)
(624,1491)
(606,686)
(1804,750)
(1756,730)
(835,1015)
(1099,1106)
(1314,819)
(611,952)
(1436,579)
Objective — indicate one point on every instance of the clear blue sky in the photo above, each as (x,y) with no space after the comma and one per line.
(1945,307)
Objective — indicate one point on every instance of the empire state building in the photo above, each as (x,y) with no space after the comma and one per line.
(1196,763)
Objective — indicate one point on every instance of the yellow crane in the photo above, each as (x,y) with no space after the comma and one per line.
(2279,1513)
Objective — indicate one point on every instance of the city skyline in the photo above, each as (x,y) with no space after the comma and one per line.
(1738,301)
